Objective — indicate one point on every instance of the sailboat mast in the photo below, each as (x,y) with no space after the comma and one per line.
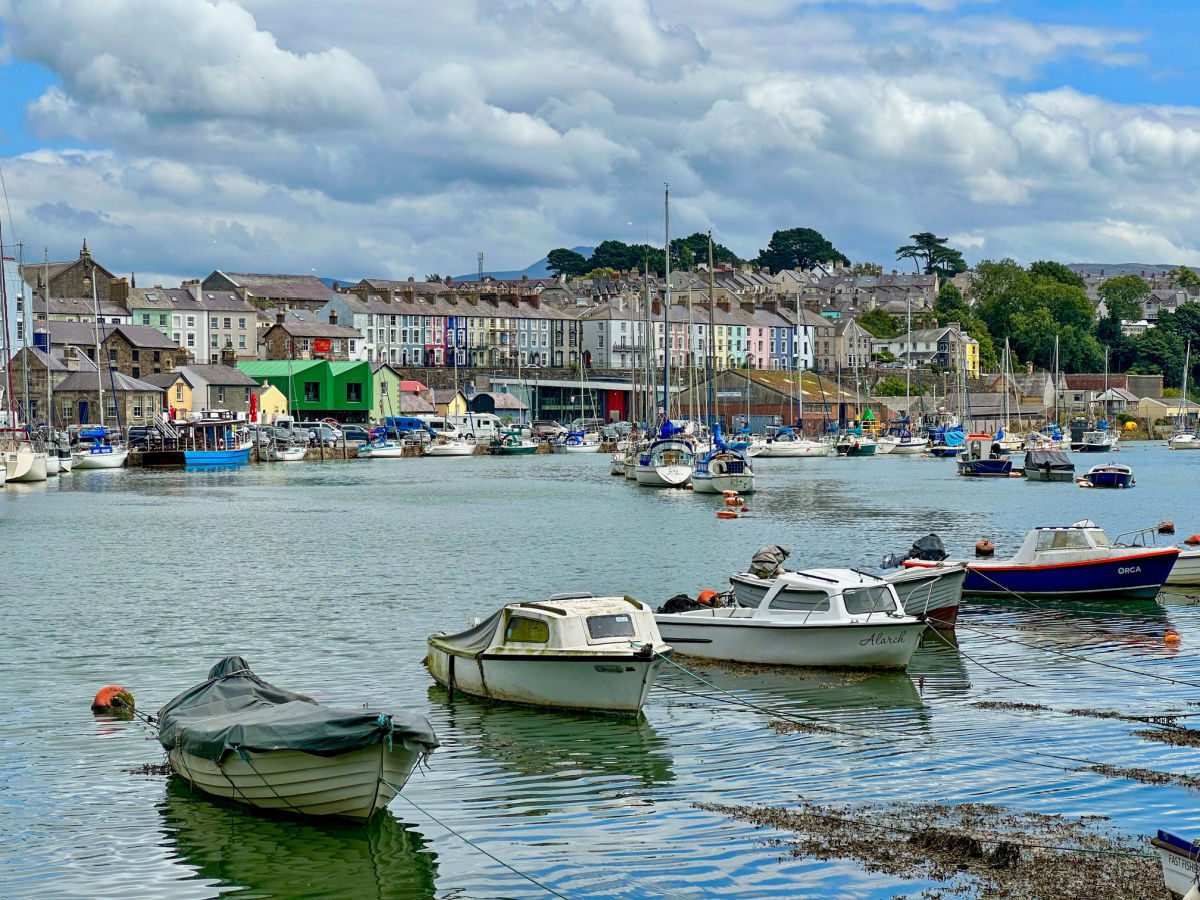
(6,356)
(647,345)
(26,320)
(710,362)
(49,380)
(667,302)
(96,310)
(908,359)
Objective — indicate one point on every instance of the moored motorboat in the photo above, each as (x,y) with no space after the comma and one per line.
(616,462)
(1180,860)
(280,451)
(1048,465)
(598,654)
(1184,440)
(1109,475)
(1101,439)
(381,448)
(852,442)
(576,442)
(236,737)
(1069,563)
(838,618)
(450,447)
(981,458)
(512,443)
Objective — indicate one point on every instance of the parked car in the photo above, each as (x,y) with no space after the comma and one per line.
(329,433)
(140,436)
(547,430)
(356,433)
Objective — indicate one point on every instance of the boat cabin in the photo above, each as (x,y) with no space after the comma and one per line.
(834,595)
(1051,544)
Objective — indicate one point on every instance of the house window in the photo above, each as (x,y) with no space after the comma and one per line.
(112,354)
(191,340)
(383,392)
(191,321)
(212,341)
(145,318)
(246,395)
(162,319)
(156,356)
(241,342)
(354,393)
(179,393)
(227,322)
(67,409)
(220,395)
(135,356)
(241,323)
(214,321)
(335,346)
(175,337)
(351,346)
(135,371)
(112,408)
(137,407)
(312,392)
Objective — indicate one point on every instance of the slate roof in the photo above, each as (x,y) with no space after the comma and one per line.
(317,330)
(165,379)
(113,380)
(222,376)
(414,403)
(500,400)
(300,287)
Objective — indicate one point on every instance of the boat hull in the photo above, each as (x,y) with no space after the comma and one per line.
(1108,479)
(200,458)
(592,682)
(1043,474)
(115,459)
(859,449)
(25,465)
(616,464)
(1184,442)
(519,450)
(286,454)
(707,483)
(663,476)
(880,645)
(53,466)
(1186,569)
(381,453)
(1133,577)
(576,448)
(985,468)
(351,785)
(1180,863)
(450,450)
(65,463)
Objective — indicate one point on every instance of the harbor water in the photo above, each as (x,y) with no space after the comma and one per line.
(328,577)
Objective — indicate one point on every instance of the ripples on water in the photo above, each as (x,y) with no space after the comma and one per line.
(328,577)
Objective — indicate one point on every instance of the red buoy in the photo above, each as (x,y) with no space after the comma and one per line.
(1193,541)
(113,699)
(726,514)
(985,548)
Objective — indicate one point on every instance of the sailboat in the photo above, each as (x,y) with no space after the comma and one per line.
(96,450)
(21,458)
(1009,442)
(1183,438)
(667,462)
(900,440)
(722,468)
(439,444)
(853,440)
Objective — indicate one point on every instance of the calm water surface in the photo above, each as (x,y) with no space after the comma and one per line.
(328,578)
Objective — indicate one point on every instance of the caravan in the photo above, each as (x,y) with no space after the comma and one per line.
(484,426)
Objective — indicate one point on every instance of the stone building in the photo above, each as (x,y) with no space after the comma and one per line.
(272,291)
(70,279)
(289,339)
(127,401)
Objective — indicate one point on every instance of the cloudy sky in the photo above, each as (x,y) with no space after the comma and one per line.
(388,139)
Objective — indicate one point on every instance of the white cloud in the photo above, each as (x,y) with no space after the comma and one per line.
(402,138)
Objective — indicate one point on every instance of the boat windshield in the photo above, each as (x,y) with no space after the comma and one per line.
(1099,537)
(528,631)
(868,600)
(620,625)
(794,599)
(1063,540)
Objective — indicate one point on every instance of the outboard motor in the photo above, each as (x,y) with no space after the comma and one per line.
(767,561)
(929,548)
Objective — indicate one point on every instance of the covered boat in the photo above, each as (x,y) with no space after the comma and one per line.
(1109,475)
(576,442)
(96,449)
(1048,465)
(982,458)
(668,461)
(1180,860)
(832,618)
(237,737)
(598,654)
(512,443)
(1070,563)
(946,441)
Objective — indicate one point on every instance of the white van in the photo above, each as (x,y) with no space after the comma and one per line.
(440,425)
(484,426)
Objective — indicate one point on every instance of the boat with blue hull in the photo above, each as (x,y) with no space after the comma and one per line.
(211,438)
(1070,563)
(983,458)
(1110,475)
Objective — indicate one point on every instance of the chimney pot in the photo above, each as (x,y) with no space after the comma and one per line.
(333,317)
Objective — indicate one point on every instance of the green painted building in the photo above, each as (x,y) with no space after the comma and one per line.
(318,388)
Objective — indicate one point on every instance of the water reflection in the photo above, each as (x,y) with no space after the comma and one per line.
(290,858)
(567,746)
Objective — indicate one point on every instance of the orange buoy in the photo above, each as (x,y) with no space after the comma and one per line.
(113,699)
(1171,638)
(1193,541)
(1166,527)
(726,514)
(733,501)
(707,598)
(985,548)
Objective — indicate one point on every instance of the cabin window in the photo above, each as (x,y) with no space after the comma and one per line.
(801,600)
(1061,540)
(528,631)
(621,625)
(868,600)
(1100,538)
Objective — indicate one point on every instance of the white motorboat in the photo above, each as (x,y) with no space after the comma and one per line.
(616,462)
(598,654)
(1099,440)
(666,463)
(24,463)
(451,448)
(838,618)
(380,449)
(1184,440)
(787,444)
(723,470)
(239,738)
(278,452)
(577,442)
(1180,860)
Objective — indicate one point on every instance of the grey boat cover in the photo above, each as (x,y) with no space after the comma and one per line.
(236,710)
(474,640)
(1054,459)
(768,560)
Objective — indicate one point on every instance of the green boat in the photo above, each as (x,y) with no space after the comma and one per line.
(511,443)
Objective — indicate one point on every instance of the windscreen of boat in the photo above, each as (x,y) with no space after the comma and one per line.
(614,626)
(526,630)
(862,600)
(1100,538)
(1062,540)
(798,599)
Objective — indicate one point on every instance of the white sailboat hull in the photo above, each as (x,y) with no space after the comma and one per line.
(66,463)
(906,448)
(884,447)
(707,483)
(286,454)
(663,476)
(87,460)
(784,449)
(25,464)
(352,785)
(616,465)
(1184,441)
(53,467)
(1186,569)
(882,644)
(381,453)
(597,682)
(586,447)
(450,449)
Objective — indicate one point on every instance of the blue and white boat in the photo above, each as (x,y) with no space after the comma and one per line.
(946,441)
(1180,860)
(211,438)
(576,442)
(96,449)
(1100,439)
(982,458)
(380,447)
(1070,563)
(1109,475)
(668,461)
(722,469)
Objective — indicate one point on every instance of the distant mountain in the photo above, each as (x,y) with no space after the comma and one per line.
(338,283)
(1112,269)
(533,270)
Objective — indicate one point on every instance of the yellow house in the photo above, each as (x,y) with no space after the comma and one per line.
(450,402)
(271,403)
(177,392)
(972,360)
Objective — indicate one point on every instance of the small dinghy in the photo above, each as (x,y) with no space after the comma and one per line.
(574,651)
(820,618)
(1180,864)
(1048,465)
(1110,475)
(236,737)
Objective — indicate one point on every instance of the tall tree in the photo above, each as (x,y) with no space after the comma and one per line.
(1123,296)
(562,261)
(1055,271)
(698,244)
(879,323)
(799,248)
(614,255)
(950,305)
(1185,277)
(932,253)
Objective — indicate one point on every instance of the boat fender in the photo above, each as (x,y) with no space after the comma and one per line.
(726,514)
(113,700)
(733,501)
(1193,541)
(1171,638)
(985,548)
(728,493)
(1166,527)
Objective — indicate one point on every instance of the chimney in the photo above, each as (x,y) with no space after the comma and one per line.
(118,290)
(723,303)
(280,316)
(771,306)
(656,307)
(194,288)
(228,355)
(332,316)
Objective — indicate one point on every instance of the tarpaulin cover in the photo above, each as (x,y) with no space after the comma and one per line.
(475,639)
(1053,458)
(235,709)
(767,560)
(929,548)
